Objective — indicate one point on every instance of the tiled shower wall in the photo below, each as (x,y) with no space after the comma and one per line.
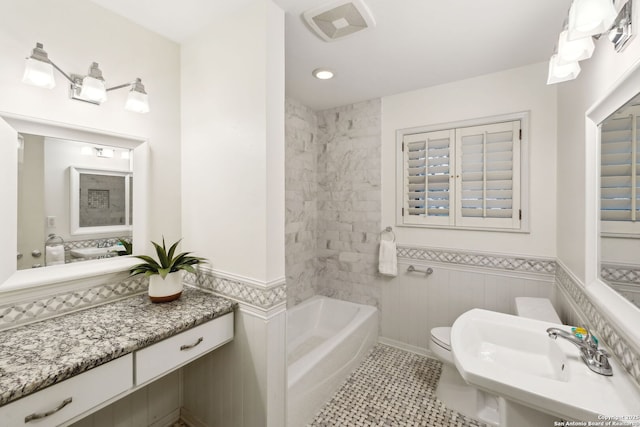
(349,201)
(301,128)
(333,202)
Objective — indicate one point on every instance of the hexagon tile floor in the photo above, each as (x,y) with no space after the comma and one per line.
(391,388)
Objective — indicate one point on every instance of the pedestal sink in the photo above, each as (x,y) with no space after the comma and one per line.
(535,376)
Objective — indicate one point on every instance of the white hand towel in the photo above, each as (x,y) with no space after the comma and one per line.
(387,260)
(55,254)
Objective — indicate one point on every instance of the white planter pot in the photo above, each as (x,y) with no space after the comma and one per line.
(167,289)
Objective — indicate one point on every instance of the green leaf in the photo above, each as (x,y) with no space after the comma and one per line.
(188,268)
(162,254)
(148,260)
(172,250)
(167,262)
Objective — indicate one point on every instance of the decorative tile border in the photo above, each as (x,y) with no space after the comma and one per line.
(76,244)
(45,307)
(239,290)
(625,353)
(501,262)
(620,274)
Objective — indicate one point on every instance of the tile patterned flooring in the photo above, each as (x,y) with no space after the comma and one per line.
(391,388)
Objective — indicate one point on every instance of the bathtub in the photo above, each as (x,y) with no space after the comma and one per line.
(326,340)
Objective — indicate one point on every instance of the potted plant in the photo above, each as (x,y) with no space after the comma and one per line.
(165,276)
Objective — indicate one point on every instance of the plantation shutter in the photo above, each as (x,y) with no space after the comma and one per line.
(620,163)
(488,175)
(427,178)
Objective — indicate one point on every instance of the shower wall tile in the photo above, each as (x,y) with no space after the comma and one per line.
(349,202)
(300,201)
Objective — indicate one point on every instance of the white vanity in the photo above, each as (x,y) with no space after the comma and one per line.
(59,370)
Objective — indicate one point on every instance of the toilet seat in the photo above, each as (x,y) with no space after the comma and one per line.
(440,344)
(442,337)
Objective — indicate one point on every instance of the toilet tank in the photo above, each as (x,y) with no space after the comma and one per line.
(537,308)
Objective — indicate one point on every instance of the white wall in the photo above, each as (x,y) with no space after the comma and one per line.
(233,142)
(233,205)
(76,33)
(520,89)
(598,75)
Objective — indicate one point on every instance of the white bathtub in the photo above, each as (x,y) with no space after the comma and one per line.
(326,340)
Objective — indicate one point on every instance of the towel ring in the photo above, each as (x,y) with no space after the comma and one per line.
(388,230)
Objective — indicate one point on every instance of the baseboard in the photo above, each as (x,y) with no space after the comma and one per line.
(168,420)
(191,420)
(407,347)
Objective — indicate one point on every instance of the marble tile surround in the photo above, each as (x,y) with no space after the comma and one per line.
(349,202)
(333,201)
(301,187)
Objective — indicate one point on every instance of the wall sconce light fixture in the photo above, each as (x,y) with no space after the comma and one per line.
(90,88)
(588,19)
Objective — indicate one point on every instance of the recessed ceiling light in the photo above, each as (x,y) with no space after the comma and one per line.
(322,74)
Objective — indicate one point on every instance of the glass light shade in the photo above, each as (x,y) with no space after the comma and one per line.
(93,90)
(590,17)
(576,50)
(38,73)
(137,102)
(561,73)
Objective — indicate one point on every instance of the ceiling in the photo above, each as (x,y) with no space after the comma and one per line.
(415,43)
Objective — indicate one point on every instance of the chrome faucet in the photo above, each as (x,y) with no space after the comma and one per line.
(597,359)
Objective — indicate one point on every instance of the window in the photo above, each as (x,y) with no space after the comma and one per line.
(463,175)
(619,174)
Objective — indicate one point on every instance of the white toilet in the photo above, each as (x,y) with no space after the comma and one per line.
(466,399)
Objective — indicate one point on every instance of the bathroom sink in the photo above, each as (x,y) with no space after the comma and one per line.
(513,357)
(95,251)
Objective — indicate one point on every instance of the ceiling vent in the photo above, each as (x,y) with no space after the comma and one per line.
(339,19)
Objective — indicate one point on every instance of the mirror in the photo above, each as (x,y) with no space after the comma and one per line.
(620,200)
(14,131)
(74,201)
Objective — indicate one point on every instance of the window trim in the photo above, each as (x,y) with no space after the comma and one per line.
(522,116)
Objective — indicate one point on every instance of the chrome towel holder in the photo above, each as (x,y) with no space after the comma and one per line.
(413,269)
(388,230)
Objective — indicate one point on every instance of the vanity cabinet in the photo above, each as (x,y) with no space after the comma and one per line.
(171,353)
(61,402)
(85,392)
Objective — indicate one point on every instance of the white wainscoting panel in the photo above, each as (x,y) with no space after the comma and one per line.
(156,405)
(243,382)
(413,303)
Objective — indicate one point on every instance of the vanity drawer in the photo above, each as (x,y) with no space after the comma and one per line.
(85,390)
(174,352)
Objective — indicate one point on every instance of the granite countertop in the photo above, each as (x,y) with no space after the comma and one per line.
(38,355)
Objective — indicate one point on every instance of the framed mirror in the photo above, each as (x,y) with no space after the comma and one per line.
(601,248)
(74,163)
(620,200)
(74,201)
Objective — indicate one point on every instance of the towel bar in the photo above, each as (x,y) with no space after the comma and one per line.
(412,269)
